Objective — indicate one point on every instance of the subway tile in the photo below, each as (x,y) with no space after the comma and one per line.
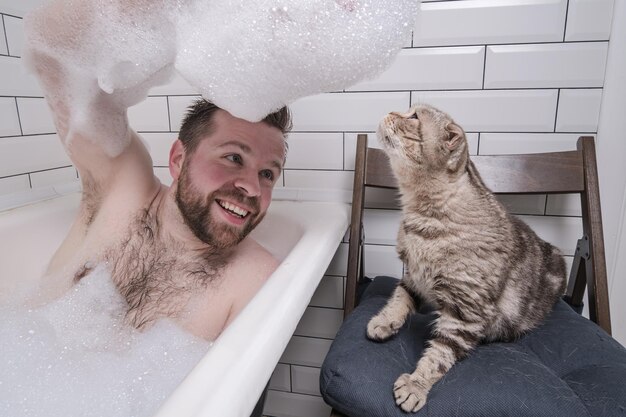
(382,260)
(430,69)
(307,351)
(474,22)
(319,322)
(287,404)
(9,121)
(516,143)
(175,86)
(35,116)
(315,151)
(16,184)
(17,80)
(381,226)
(496,111)
(15,35)
(562,232)
(338,265)
(564,205)
(546,65)
(305,380)
(589,20)
(319,179)
(281,378)
(329,293)
(178,108)
(3,39)
(159,145)
(163,174)
(579,110)
(355,112)
(18,8)
(150,115)
(31,153)
(350,147)
(524,204)
(53,177)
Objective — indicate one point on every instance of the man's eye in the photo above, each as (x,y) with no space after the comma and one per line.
(267,174)
(236,158)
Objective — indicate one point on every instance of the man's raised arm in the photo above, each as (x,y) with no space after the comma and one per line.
(91,122)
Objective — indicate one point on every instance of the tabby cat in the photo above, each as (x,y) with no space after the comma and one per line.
(489,276)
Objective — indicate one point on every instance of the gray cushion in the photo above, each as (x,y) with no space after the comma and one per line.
(566,367)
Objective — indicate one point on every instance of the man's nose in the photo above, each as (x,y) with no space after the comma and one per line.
(249,183)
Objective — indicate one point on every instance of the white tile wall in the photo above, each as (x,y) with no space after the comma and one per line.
(15,34)
(151,115)
(589,20)
(31,153)
(318,179)
(9,120)
(305,380)
(35,116)
(320,322)
(315,151)
(471,22)
(16,184)
(579,110)
(16,79)
(547,65)
(518,75)
(499,111)
(421,69)
(345,112)
(53,177)
(3,40)
(329,293)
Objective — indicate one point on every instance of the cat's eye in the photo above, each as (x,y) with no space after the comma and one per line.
(414,116)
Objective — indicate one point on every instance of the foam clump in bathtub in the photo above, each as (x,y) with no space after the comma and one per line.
(249,57)
(76,357)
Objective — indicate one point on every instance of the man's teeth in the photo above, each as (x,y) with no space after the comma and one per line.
(233,208)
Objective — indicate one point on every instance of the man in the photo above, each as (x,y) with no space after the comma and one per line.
(181,251)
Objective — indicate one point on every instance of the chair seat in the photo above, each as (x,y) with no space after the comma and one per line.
(566,367)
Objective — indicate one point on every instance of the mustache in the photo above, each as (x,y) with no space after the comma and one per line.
(234,194)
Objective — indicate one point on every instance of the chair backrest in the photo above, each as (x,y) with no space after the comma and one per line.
(542,173)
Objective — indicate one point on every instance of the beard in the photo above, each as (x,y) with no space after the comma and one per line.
(196,212)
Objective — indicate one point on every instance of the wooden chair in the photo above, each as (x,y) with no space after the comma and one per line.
(543,173)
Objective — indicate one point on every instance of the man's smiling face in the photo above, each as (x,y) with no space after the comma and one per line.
(225,185)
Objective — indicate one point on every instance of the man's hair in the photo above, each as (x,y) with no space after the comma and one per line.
(198,123)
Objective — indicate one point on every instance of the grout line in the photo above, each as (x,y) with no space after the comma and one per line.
(169,116)
(556,113)
(484,65)
(565,23)
(19,119)
(6,38)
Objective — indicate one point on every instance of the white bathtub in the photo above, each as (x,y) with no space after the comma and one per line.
(230,378)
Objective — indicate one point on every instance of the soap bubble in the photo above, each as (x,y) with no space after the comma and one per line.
(76,357)
(248,57)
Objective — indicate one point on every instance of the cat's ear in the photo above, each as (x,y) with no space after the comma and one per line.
(455,136)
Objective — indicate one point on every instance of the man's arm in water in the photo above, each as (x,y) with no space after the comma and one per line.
(92,124)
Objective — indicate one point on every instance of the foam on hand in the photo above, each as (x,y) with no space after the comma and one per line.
(76,357)
(249,57)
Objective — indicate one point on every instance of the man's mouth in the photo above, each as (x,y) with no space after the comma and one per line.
(233,209)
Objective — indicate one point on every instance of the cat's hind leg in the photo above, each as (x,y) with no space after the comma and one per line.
(389,320)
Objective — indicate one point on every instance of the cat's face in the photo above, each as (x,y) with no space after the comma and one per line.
(424,138)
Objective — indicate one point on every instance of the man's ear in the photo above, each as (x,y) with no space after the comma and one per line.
(455,136)
(177,157)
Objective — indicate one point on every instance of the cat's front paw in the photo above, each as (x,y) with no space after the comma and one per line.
(381,328)
(410,395)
